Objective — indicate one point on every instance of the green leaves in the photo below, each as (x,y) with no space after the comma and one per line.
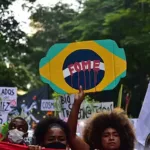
(14,51)
(126,22)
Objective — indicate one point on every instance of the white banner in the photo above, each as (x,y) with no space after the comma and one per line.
(143,123)
(86,109)
(50,105)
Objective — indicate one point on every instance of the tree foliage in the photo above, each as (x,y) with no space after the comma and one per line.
(47,21)
(125,21)
(14,51)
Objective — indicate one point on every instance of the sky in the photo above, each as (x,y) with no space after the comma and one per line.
(23,15)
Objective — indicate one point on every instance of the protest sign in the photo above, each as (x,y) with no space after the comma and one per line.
(8,98)
(5,106)
(86,109)
(50,105)
(29,106)
(96,65)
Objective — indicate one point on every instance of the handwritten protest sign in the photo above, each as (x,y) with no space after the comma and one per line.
(96,65)
(8,99)
(5,106)
(86,109)
(50,105)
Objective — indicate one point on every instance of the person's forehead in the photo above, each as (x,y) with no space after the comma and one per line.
(18,122)
(56,131)
(110,130)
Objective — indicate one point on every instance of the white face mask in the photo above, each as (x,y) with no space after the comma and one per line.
(15,136)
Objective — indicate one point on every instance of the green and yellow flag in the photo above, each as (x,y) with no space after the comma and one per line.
(96,65)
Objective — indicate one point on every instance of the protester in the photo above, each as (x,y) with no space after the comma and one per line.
(114,130)
(104,131)
(51,133)
(18,130)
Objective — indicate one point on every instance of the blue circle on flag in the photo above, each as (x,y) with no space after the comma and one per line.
(83,67)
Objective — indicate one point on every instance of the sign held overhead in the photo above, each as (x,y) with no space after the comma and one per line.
(96,65)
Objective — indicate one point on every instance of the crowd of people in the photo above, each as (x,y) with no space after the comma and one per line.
(103,131)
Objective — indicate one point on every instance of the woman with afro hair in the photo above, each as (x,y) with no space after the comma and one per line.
(103,131)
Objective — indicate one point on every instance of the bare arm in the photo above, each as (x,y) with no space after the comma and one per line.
(76,142)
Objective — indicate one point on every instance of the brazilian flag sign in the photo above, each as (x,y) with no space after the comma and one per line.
(96,65)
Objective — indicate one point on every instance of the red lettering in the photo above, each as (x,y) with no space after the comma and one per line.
(77,66)
(71,69)
(86,65)
(96,64)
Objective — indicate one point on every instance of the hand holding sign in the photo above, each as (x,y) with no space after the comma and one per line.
(80,96)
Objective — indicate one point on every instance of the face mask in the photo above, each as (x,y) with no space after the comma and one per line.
(15,136)
(56,145)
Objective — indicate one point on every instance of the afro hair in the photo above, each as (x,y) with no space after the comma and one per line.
(97,124)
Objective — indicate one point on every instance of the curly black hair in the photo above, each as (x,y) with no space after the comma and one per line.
(43,126)
(97,124)
(22,119)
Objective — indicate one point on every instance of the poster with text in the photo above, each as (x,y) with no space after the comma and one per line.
(96,65)
(50,105)
(8,98)
(86,109)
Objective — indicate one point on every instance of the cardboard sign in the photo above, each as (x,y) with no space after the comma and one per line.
(8,96)
(8,99)
(50,105)
(5,106)
(96,65)
(86,109)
